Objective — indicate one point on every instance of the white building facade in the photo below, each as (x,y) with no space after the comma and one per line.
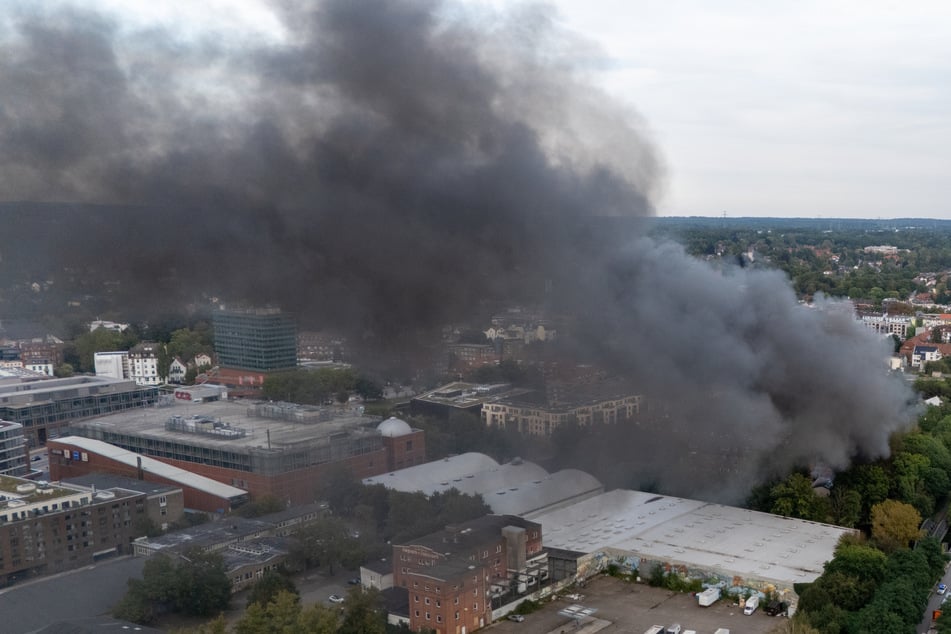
(144,364)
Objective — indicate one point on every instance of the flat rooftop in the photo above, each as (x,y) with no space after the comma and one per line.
(30,390)
(112,481)
(695,534)
(307,425)
(29,491)
(463,394)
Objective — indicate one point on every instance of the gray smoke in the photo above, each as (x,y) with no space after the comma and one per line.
(391,165)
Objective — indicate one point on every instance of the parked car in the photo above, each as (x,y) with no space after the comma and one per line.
(942,588)
(354,582)
(518,618)
(336,598)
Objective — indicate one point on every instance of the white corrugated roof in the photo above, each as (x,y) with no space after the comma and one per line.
(514,488)
(427,477)
(694,533)
(559,488)
(151,465)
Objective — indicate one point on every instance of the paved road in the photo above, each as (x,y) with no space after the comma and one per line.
(89,591)
(934,602)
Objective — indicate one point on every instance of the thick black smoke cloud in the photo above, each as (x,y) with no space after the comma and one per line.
(391,165)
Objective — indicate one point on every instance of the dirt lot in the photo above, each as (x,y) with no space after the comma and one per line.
(632,608)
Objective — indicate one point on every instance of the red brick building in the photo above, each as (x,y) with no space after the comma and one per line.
(452,576)
(74,457)
(269,449)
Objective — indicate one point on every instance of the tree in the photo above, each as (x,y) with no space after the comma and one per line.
(218,626)
(196,585)
(99,340)
(846,506)
(260,506)
(63,370)
(894,524)
(871,482)
(937,559)
(794,497)
(327,542)
(266,589)
(203,587)
(860,561)
(363,613)
(284,615)
(340,489)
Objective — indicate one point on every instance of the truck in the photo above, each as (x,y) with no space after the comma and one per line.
(775,607)
(674,629)
(722,630)
(751,604)
(708,597)
(655,629)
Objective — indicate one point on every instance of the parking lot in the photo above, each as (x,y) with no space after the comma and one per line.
(632,608)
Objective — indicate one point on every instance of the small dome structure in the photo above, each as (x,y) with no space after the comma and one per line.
(393,427)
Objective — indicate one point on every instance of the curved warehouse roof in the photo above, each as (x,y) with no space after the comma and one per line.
(513,488)
(426,477)
(558,489)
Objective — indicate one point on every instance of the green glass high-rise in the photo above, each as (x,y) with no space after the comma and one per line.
(261,339)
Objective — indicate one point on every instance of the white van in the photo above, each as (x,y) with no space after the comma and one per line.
(751,604)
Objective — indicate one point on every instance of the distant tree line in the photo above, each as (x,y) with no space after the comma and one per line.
(822,257)
(319,387)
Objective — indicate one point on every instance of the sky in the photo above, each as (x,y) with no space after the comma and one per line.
(831,109)
(807,108)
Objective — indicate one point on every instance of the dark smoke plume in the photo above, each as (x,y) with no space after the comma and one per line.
(391,165)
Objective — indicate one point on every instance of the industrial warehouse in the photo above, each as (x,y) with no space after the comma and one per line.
(737,547)
(587,529)
(518,487)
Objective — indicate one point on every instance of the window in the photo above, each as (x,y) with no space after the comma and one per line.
(416,598)
(426,600)
(427,616)
(457,616)
(409,445)
(439,618)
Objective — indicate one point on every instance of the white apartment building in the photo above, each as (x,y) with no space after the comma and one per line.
(144,364)
(923,354)
(542,420)
(114,365)
(140,364)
